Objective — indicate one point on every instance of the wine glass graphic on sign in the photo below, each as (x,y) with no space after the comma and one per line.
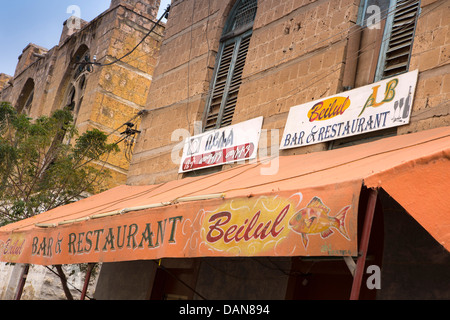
(395,109)
(407,105)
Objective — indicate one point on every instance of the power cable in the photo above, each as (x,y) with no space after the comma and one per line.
(334,68)
(360,51)
(68,282)
(129,133)
(178,279)
(95,63)
(348,32)
(314,44)
(167,11)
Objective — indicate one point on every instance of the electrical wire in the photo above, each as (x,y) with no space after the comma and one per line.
(142,112)
(130,134)
(258,74)
(348,32)
(360,51)
(304,88)
(166,12)
(68,282)
(334,68)
(159,265)
(248,75)
(95,63)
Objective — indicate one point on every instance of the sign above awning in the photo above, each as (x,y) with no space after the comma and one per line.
(221,146)
(309,208)
(381,105)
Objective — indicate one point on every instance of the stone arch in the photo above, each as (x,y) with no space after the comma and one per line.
(25,100)
(72,87)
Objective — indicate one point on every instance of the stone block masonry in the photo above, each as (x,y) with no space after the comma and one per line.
(110,95)
(300,51)
(291,60)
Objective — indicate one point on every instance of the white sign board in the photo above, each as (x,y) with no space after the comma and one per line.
(225,145)
(378,106)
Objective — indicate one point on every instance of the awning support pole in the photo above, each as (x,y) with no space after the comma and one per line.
(351,265)
(86,280)
(23,279)
(364,244)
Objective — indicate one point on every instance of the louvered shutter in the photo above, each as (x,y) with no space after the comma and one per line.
(219,86)
(228,73)
(235,83)
(227,83)
(399,47)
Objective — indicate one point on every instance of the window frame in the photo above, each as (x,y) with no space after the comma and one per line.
(76,85)
(386,40)
(229,36)
(237,40)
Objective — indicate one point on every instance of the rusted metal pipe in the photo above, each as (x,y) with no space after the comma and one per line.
(23,279)
(86,280)
(63,279)
(364,244)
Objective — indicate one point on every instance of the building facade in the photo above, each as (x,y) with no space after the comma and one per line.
(296,52)
(226,62)
(257,66)
(101,97)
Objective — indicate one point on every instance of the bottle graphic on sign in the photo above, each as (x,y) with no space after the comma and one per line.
(407,104)
(402,100)
(395,110)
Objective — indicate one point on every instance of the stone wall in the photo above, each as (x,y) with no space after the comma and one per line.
(431,55)
(299,51)
(291,60)
(43,283)
(4,79)
(113,94)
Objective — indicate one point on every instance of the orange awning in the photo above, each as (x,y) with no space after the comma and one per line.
(307,208)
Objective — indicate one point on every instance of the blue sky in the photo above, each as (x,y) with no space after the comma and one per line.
(40,22)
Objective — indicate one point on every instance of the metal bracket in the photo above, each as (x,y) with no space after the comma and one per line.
(351,264)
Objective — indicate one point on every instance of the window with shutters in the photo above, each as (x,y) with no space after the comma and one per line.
(398,38)
(230,63)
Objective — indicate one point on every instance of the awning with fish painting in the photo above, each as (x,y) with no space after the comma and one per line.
(300,205)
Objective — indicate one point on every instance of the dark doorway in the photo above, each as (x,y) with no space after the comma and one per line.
(175,280)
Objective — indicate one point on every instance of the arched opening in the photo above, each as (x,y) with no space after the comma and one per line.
(25,101)
(73,86)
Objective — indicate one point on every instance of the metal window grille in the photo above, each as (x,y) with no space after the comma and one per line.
(245,14)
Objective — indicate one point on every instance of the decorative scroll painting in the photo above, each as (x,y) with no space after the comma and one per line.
(304,223)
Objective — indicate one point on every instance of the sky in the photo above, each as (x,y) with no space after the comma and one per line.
(40,22)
